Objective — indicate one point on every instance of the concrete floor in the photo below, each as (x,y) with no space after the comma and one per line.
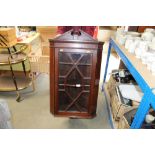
(33,112)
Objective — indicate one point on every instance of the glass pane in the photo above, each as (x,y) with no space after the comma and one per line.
(64,100)
(71,86)
(86,59)
(73,91)
(73,108)
(86,81)
(75,57)
(82,102)
(74,78)
(64,69)
(87,88)
(63,57)
(61,87)
(85,70)
(61,80)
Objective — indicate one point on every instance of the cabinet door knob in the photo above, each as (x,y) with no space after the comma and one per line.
(97,82)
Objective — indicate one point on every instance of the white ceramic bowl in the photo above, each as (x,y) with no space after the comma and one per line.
(137,38)
(132,47)
(149,118)
(150,60)
(129,36)
(144,58)
(150,30)
(138,52)
(153,40)
(148,36)
(144,45)
(152,45)
(128,42)
(137,42)
(121,39)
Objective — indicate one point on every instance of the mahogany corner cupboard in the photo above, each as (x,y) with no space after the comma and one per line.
(75,60)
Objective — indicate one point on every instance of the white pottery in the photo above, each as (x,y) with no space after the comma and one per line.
(138,52)
(128,36)
(150,30)
(144,57)
(134,34)
(149,118)
(150,59)
(152,45)
(148,36)
(131,48)
(153,40)
(122,39)
(137,42)
(128,42)
(137,38)
(144,45)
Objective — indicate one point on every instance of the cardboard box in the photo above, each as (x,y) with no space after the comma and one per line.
(7,37)
(47,32)
(45,50)
(105,35)
(8,44)
(7,31)
(46,36)
(47,29)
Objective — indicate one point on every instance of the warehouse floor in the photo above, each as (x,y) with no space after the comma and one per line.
(33,111)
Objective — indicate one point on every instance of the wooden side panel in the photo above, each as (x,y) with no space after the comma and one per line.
(97,77)
(52,78)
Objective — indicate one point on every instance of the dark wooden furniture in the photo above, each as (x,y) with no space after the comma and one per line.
(75,60)
(140,29)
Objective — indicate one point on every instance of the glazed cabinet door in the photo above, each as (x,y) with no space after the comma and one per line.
(74,79)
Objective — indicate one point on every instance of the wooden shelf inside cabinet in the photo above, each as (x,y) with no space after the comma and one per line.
(75,60)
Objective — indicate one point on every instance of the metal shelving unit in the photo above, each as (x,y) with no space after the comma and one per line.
(143,77)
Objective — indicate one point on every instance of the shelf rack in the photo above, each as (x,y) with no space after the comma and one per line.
(14,83)
(143,77)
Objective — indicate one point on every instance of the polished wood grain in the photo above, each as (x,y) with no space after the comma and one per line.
(82,54)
